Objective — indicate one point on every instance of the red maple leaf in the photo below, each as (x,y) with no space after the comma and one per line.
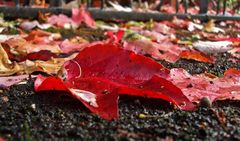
(99,74)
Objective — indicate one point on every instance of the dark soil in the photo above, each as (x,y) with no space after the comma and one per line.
(25,115)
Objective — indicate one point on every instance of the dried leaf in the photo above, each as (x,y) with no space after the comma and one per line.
(210,27)
(51,66)
(6,66)
(42,17)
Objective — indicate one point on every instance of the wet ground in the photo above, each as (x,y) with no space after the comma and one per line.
(25,115)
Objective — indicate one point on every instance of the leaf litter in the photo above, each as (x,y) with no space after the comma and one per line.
(170,125)
(123,72)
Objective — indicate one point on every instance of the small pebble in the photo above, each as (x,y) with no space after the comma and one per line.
(5,99)
(205,102)
(33,106)
(142,116)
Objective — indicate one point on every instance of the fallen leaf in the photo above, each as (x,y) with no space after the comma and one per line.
(20,46)
(98,59)
(60,20)
(209,47)
(193,26)
(227,39)
(232,71)
(4,38)
(197,56)
(164,51)
(154,36)
(68,46)
(235,52)
(51,66)
(37,32)
(115,37)
(162,28)
(195,87)
(42,17)
(33,48)
(97,78)
(29,25)
(80,15)
(43,55)
(8,81)
(6,66)
(210,27)
(118,7)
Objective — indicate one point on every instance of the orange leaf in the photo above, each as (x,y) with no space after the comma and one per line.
(42,17)
(37,33)
(197,56)
(232,71)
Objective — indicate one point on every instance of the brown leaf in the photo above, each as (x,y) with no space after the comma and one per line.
(42,17)
(21,46)
(210,27)
(6,66)
(51,66)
